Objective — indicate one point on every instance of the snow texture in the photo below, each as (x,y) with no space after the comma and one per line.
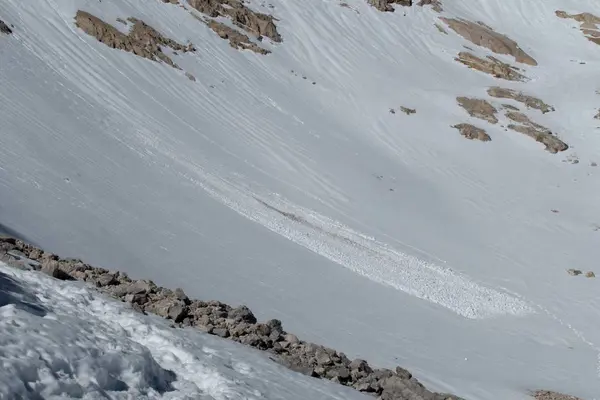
(386,236)
(62,340)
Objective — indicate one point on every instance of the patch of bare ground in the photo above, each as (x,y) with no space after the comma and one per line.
(536,131)
(491,66)
(597,116)
(237,40)
(589,24)
(529,101)
(142,40)
(482,35)
(251,21)
(548,395)
(4,28)
(472,132)
(479,108)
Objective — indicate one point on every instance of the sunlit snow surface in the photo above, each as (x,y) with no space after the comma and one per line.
(220,186)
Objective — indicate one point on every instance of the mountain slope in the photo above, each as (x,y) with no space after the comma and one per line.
(379,226)
(81,345)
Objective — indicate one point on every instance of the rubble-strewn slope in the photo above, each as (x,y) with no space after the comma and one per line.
(216,318)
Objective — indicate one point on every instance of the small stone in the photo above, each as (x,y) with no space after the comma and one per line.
(590,274)
(574,272)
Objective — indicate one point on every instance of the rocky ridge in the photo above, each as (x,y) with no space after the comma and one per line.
(142,40)
(234,323)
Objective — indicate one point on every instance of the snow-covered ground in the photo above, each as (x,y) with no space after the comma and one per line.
(62,340)
(458,273)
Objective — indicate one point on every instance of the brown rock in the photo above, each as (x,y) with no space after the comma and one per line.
(590,274)
(482,35)
(536,131)
(472,132)
(491,66)
(478,108)
(529,101)
(386,5)
(436,5)
(254,22)
(142,40)
(236,39)
(589,24)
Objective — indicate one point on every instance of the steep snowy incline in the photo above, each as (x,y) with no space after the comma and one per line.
(61,339)
(424,249)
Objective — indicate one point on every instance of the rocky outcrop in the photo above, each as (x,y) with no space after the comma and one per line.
(234,323)
(436,5)
(478,108)
(482,35)
(529,101)
(386,5)
(236,39)
(536,131)
(142,40)
(490,65)
(590,24)
(4,28)
(548,395)
(251,21)
(472,132)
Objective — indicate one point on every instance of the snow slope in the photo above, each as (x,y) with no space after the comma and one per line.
(62,339)
(252,185)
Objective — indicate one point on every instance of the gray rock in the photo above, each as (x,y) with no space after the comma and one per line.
(50,267)
(180,295)
(106,280)
(4,28)
(177,311)
(403,373)
(221,332)
(140,286)
(242,313)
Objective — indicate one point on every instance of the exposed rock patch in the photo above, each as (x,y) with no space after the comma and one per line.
(589,24)
(490,65)
(142,40)
(482,35)
(472,132)
(386,5)
(234,323)
(4,28)
(529,101)
(236,39)
(253,22)
(407,111)
(548,395)
(479,108)
(597,116)
(536,131)
(436,5)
